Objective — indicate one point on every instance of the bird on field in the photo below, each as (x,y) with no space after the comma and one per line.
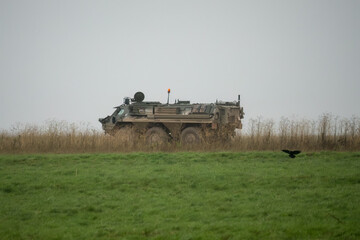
(291,153)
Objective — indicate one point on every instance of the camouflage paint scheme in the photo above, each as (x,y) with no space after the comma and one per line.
(174,118)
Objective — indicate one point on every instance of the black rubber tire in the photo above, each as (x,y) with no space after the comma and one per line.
(191,135)
(126,134)
(156,136)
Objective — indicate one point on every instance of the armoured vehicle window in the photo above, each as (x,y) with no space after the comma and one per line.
(120,112)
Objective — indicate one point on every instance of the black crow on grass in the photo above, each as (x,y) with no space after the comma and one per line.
(292,153)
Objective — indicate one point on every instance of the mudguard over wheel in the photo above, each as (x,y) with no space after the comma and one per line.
(156,136)
(191,135)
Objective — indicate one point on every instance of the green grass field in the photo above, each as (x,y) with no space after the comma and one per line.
(251,195)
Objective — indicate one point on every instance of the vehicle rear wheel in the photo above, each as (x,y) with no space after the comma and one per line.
(156,136)
(191,135)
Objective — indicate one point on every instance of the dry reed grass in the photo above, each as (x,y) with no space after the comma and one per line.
(328,132)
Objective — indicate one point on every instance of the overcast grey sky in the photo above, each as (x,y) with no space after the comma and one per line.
(75,60)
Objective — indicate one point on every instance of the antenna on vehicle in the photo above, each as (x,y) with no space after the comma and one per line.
(239,99)
(168,96)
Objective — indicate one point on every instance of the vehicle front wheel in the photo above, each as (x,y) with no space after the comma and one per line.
(126,134)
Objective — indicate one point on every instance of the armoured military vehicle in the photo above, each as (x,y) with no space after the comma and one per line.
(181,121)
